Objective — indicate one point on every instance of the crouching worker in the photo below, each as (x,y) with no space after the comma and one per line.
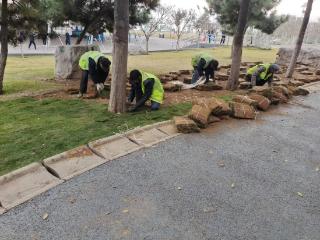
(144,87)
(95,65)
(261,74)
(203,65)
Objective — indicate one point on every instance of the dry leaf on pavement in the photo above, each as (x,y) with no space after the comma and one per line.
(45,216)
(300,194)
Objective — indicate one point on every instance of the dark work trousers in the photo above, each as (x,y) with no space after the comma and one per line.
(259,81)
(138,93)
(196,76)
(32,43)
(84,81)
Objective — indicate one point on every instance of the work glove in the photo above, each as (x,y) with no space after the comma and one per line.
(99,87)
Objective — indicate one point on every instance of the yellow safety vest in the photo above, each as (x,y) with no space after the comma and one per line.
(157,92)
(84,59)
(196,59)
(264,75)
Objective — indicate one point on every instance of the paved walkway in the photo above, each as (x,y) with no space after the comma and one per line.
(268,188)
(135,45)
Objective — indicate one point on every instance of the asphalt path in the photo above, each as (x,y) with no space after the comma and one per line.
(238,180)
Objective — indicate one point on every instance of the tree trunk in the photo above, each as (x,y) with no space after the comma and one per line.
(117,103)
(147,45)
(81,36)
(237,45)
(4,41)
(178,43)
(299,42)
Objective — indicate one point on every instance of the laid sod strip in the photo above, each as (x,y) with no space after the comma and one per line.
(32,130)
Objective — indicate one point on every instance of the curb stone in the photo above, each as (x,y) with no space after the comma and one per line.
(74,162)
(23,184)
(152,134)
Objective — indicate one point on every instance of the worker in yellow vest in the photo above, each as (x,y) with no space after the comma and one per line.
(95,65)
(203,65)
(145,86)
(262,74)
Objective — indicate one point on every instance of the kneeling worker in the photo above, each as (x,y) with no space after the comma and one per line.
(95,64)
(261,73)
(203,65)
(145,86)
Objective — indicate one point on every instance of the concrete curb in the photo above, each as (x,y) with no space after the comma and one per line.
(73,162)
(160,134)
(23,184)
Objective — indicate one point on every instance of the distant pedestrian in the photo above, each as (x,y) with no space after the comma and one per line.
(21,37)
(68,38)
(44,38)
(32,42)
(223,39)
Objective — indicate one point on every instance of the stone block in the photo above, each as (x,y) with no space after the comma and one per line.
(67,61)
(308,57)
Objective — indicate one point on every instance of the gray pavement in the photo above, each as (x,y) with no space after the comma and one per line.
(135,45)
(177,190)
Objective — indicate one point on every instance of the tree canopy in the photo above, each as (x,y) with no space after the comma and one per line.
(23,15)
(98,15)
(261,15)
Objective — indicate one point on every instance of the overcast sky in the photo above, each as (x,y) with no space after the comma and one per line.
(292,7)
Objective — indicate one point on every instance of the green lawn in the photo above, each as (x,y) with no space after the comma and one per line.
(25,74)
(31,130)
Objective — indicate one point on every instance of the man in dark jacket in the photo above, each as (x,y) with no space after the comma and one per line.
(95,64)
(144,87)
(32,41)
(203,65)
